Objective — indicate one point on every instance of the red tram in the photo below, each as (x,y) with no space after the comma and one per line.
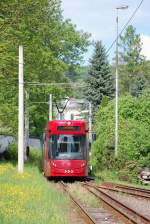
(65,151)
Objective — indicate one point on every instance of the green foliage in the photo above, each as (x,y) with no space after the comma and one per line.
(12,152)
(131,47)
(134,132)
(99,82)
(130,171)
(77,73)
(133,70)
(34,159)
(106,175)
(82,72)
(50,45)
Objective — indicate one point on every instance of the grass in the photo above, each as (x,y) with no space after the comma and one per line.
(29,199)
(106,175)
(86,198)
(112,176)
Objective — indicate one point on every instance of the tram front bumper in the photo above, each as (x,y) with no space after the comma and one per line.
(81,172)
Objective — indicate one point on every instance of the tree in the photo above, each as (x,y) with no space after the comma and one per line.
(50,45)
(99,82)
(134,131)
(133,65)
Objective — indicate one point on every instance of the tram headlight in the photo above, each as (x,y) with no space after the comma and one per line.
(53,164)
(83,164)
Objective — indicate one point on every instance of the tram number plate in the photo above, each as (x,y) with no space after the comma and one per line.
(68,171)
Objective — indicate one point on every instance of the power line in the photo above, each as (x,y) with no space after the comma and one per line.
(39,102)
(55,84)
(126,24)
(38,84)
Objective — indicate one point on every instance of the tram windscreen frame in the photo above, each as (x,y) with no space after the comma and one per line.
(67,147)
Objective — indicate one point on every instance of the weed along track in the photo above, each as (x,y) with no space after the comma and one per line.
(129,214)
(138,192)
(96,214)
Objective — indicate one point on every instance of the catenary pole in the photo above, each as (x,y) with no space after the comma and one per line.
(116,94)
(50,108)
(27,140)
(116,83)
(21,114)
(90,122)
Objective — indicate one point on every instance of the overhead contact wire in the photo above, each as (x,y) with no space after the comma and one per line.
(125,26)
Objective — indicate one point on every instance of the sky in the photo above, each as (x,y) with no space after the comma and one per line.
(98,17)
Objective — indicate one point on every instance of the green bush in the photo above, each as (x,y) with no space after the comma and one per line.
(134,132)
(12,152)
(130,172)
(35,157)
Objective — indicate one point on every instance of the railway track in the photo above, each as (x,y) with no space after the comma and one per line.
(138,192)
(84,212)
(125,211)
(91,214)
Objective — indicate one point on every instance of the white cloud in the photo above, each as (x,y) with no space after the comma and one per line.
(146,46)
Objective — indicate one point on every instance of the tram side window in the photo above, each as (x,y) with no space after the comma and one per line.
(50,147)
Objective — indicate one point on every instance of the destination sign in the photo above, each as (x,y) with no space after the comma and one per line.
(68,128)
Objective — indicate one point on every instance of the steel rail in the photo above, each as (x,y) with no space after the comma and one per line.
(129,191)
(127,187)
(85,215)
(118,206)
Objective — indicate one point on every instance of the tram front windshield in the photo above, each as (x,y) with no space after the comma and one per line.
(67,147)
